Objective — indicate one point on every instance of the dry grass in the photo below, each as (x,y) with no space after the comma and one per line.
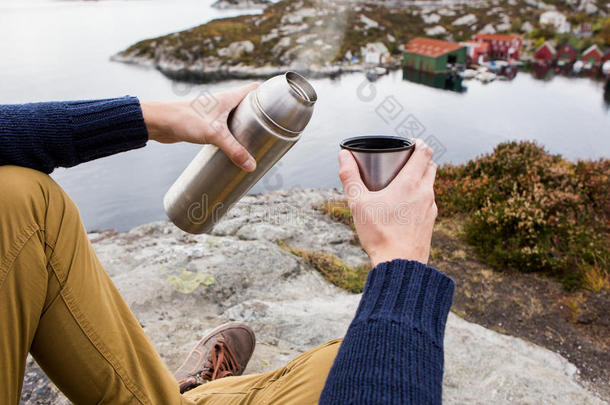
(333,269)
(339,211)
(595,278)
(573,305)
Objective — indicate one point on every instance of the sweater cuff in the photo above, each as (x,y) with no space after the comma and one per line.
(105,127)
(410,292)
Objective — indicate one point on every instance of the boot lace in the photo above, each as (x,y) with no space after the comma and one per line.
(221,363)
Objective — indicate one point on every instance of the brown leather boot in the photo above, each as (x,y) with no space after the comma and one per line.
(223,352)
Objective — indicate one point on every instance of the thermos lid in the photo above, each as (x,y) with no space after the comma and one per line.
(287,100)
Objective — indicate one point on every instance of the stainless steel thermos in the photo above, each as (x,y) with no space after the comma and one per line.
(268,122)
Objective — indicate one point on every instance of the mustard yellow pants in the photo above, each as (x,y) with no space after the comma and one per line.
(57,302)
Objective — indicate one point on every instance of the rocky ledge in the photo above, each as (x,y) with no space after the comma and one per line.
(322,38)
(242,271)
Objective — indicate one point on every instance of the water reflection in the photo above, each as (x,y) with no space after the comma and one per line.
(542,71)
(445,81)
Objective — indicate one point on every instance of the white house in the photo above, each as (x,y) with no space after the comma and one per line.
(374,53)
(557,20)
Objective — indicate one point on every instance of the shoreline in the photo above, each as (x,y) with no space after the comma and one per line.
(203,74)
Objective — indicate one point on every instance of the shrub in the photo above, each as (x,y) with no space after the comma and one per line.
(533,211)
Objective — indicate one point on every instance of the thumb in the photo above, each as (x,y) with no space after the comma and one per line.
(234,96)
(350,176)
(236,151)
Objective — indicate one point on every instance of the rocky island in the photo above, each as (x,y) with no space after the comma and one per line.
(252,268)
(329,37)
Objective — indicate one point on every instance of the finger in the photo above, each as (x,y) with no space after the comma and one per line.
(429,175)
(238,154)
(350,176)
(417,164)
(231,98)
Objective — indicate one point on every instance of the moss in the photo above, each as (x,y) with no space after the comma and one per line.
(333,269)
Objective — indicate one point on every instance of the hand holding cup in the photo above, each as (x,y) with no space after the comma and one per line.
(395,222)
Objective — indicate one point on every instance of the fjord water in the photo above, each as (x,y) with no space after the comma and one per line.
(54,50)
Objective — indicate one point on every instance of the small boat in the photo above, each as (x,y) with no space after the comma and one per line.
(495,65)
(486,76)
(468,74)
(606,68)
(380,71)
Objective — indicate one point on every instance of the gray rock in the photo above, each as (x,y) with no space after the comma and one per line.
(273,34)
(368,23)
(293,29)
(446,12)
(527,27)
(588,7)
(467,19)
(236,49)
(298,16)
(436,30)
(488,29)
(240,4)
(503,27)
(431,18)
(195,282)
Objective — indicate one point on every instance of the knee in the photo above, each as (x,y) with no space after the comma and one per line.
(26,195)
(325,356)
(20,186)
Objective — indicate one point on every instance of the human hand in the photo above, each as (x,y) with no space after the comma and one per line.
(396,222)
(180,121)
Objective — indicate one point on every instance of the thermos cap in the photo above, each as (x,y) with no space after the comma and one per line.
(287,100)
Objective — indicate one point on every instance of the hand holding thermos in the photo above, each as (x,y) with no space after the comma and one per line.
(268,122)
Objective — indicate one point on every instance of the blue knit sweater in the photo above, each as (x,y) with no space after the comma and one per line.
(392,352)
(44,136)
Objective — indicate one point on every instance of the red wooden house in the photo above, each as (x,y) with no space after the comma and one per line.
(476,51)
(567,53)
(592,56)
(545,53)
(501,46)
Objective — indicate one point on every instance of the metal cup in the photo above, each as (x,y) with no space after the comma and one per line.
(379,157)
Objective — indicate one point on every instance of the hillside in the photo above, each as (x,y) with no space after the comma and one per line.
(313,36)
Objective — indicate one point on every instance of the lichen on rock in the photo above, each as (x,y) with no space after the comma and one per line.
(186,281)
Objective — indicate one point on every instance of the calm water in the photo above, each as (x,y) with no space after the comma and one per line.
(55,50)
